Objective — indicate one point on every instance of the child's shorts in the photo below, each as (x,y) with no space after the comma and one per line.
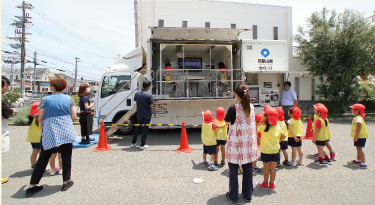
(284,145)
(55,150)
(221,142)
(321,143)
(269,157)
(209,149)
(360,142)
(35,145)
(293,143)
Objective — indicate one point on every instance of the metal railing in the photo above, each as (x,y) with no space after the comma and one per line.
(208,83)
(370,19)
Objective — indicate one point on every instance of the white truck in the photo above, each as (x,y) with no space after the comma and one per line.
(195,82)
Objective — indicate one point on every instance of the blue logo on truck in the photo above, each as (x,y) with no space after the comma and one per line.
(265,52)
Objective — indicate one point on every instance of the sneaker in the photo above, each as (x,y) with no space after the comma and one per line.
(32,191)
(272,186)
(329,162)
(222,163)
(363,166)
(132,145)
(215,163)
(230,201)
(59,171)
(316,155)
(262,185)
(257,169)
(286,163)
(4,180)
(204,163)
(212,168)
(354,162)
(67,185)
(333,156)
(300,162)
(293,163)
(85,142)
(53,171)
(143,147)
(92,139)
(319,163)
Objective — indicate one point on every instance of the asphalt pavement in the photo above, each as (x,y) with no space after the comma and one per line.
(159,175)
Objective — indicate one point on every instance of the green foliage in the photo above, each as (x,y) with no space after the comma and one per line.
(367,92)
(337,49)
(76,99)
(22,117)
(11,96)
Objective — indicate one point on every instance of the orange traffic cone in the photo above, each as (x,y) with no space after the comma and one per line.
(309,135)
(184,145)
(102,144)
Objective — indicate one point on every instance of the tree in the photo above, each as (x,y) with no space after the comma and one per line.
(337,49)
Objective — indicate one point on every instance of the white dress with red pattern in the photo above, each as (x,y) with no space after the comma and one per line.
(242,138)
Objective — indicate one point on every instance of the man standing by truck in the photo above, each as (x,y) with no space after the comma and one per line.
(145,107)
(288,99)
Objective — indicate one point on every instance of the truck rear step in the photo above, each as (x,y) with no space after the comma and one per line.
(121,121)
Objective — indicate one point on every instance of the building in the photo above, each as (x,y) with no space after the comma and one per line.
(43,76)
(265,22)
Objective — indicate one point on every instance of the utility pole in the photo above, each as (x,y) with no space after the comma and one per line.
(22,24)
(34,83)
(75,78)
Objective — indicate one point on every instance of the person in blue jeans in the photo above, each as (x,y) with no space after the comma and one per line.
(145,106)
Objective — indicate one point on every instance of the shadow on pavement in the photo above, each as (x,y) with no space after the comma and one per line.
(259,192)
(47,190)
(312,165)
(311,156)
(222,199)
(198,166)
(350,166)
(26,173)
(225,173)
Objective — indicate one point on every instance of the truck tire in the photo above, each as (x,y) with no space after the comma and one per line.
(126,130)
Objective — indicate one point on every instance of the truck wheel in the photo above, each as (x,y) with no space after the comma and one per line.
(126,130)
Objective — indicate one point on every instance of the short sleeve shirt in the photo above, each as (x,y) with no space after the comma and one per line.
(288,97)
(41,105)
(231,115)
(318,124)
(82,100)
(6,111)
(144,101)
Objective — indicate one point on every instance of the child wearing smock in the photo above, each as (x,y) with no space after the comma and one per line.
(320,131)
(208,139)
(221,135)
(332,154)
(284,143)
(295,135)
(272,135)
(359,134)
(35,133)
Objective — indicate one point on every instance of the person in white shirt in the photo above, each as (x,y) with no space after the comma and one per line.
(288,99)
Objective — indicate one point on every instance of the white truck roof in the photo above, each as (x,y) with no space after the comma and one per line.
(132,61)
(196,33)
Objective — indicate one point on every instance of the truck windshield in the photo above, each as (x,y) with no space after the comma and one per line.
(111,84)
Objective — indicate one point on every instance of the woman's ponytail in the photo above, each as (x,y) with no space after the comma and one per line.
(243,92)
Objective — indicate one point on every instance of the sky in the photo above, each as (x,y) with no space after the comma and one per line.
(98,31)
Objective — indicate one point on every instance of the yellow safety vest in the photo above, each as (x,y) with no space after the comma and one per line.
(362,132)
(297,128)
(35,133)
(323,132)
(284,129)
(221,133)
(270,141)
(329,135)
(208,134)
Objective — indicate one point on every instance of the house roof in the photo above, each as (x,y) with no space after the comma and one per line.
(38,70)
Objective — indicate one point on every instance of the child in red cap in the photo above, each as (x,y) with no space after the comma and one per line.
(359,134)
(321,130)
(266,107)
(221,135)
(284,143)
(35,133)
(208,139)
(332,154)
(272,135)
(295,135)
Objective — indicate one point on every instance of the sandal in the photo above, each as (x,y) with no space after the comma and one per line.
(204,163)
(212,168)
(67,185)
